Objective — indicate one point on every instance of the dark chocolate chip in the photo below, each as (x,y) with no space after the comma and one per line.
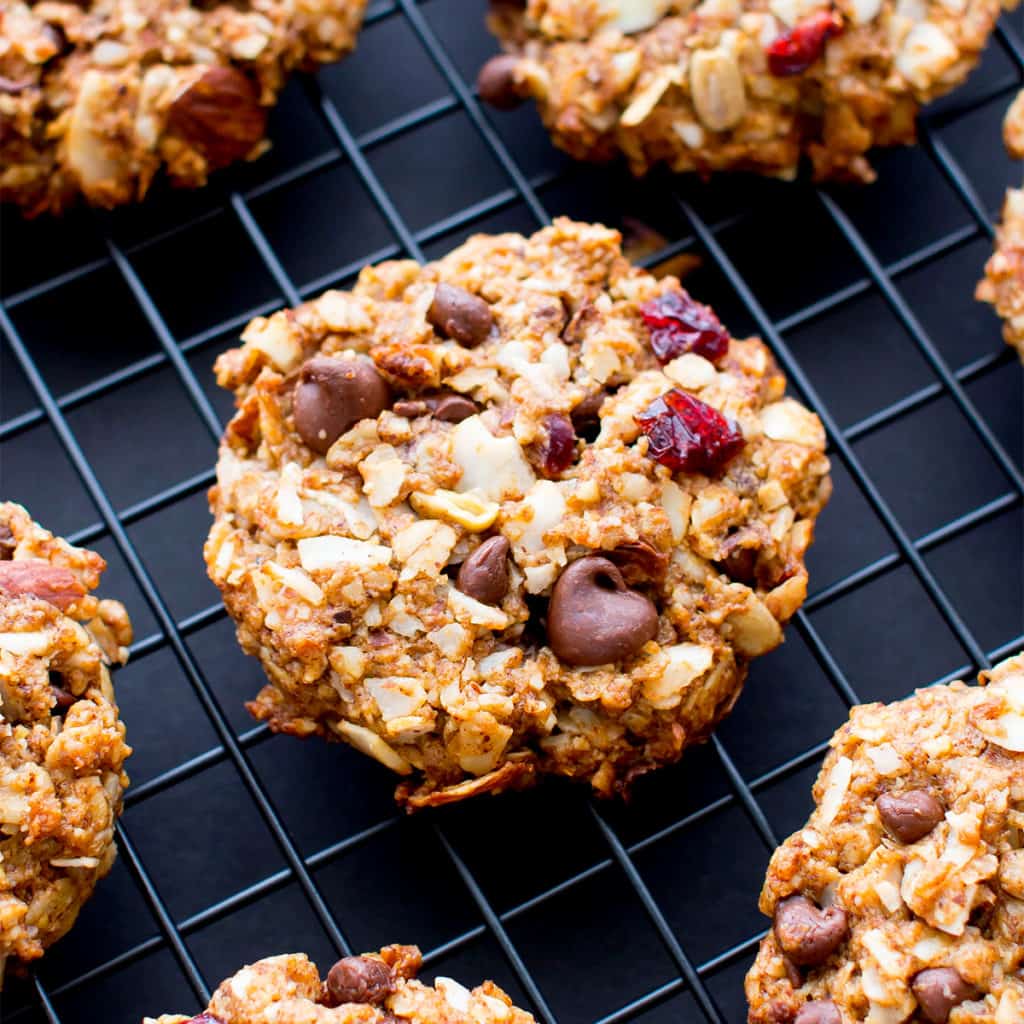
(484,575)
(335,394)
(909,816)
(821,1011)
(640,561)
(594,618)
(456,313)
(586,416)
(63,697)
(496,82)
(938,990)
(452,408)
(360,979)
(807,934)
(7,543)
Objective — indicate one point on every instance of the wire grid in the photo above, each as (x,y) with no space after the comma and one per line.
(690,975)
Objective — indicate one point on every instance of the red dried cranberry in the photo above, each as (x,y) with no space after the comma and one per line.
(798,48)
(559,445)
(678,325)
(205,1018)
(685,433)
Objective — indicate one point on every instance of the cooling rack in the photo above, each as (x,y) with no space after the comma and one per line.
(236,844)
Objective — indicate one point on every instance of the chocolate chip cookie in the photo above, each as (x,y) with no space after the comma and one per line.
(525,509)
(98,96)
(902,899)
(748,85)
(376,988)
(1003,283)
(62,746)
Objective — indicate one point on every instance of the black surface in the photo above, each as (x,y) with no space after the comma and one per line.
(916,573)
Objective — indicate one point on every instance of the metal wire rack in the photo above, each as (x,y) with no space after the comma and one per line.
(235,844)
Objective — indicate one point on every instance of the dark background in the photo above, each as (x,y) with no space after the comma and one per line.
(108,328)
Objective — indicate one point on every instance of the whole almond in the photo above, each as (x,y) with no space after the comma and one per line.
(716,84)
(220,115)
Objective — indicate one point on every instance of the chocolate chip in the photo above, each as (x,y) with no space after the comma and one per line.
(938,990)
(333,395)
(360,979)
(586,416)
(456,313)
(640,561)
(496,82)
(807,935)
(909,816)
(821,1011)
(7,543)
(484,575)
(452,408)
(63,697)
(594,618)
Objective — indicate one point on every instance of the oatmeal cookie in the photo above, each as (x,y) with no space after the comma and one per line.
(96,96)
(525,509)
(1003,283)
(376,988)
(902,899)
(61,744)
(733,84)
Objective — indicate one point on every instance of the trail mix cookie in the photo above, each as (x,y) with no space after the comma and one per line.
(1003,283)
(733,84)
(525,509)
(97,96)
(62,746)
(902,899)
(376,988)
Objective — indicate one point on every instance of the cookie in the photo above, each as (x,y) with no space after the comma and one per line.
(98,96)
(902,899)
(1003,283)
(376,988)
(525,509)
(748,85)
(62,747)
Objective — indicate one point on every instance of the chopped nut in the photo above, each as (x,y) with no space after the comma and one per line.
(468,510)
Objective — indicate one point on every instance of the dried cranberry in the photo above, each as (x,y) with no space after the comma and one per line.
(559,445)
(678,325)
(205,1018)
(685,433)
(795,50)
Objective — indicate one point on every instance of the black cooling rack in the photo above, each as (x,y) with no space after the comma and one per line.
(236,844)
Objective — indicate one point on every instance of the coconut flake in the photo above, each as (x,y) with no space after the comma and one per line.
(835,791)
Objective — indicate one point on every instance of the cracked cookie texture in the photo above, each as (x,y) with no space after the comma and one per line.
(1003,283)
(902,899)
(749,85)
(98,96)
(62,745)
(376,988)
(473,525)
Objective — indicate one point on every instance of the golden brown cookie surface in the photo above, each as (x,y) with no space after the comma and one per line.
(901,899)
(733,84)
(98,97)
(497,515)
(375,988)
(62,745)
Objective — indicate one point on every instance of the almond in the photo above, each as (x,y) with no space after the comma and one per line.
(61,587)
(219,114)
